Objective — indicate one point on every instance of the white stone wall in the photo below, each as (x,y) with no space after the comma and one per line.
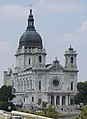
(27,82)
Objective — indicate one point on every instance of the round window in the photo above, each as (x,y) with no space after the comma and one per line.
(55,82)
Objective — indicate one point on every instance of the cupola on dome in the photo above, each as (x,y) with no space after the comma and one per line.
(30,38)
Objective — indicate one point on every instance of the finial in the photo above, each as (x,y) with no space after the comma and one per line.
(30,11)
(30,20)
(30,8)
(56,61)
(55,58)
(70,47)
(30,5)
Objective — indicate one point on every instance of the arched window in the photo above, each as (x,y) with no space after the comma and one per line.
(40,59)
(18,85)
(52,100)
(21,85)
(39,101)
(32,99)
(30,23)
(57,100)
(29,61)
(24,85)
(39,85)
(31,84)
(63,100)
(24,99)
(71,59)
(72,85)
(27,84)
(66,60)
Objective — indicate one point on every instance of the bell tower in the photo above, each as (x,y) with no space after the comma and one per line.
(70,59)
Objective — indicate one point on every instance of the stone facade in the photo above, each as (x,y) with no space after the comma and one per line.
(38,82)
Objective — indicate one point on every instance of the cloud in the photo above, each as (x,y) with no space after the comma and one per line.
(4,49)
(19,11)
(83,27)
(4,58)
(4,45)
(61,5)
(13,11)
(79,36)
(78,40)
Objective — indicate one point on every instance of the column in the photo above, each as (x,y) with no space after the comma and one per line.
(16,84)
(60,99)
(67,100)
(48,99)
(55,100)
(23,84)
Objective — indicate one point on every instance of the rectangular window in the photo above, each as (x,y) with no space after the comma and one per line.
(30,84)
(39,85)
(29,61)
(24,99)
(27,84)
(72,85)
(32,99)
(39,101)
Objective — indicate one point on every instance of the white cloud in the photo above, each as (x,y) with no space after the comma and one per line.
(15,11)
(83,27)
(18,11)
(61,5)
(4,58)
(4,49)
(3,45)
(78,40)
(78,36)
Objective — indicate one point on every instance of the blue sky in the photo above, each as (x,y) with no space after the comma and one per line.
(59,22)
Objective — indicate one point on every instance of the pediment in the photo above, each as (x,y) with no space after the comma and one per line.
(56,66)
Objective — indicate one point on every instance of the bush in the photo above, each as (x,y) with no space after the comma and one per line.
(47,112)
(51,112)
(2,105)
(7,106)
(84,113)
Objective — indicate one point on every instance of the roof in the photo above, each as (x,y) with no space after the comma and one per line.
(30,38)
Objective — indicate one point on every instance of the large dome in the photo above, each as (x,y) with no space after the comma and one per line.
(30,38)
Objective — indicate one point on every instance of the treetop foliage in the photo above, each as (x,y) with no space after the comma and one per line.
(81,96)
(6,93)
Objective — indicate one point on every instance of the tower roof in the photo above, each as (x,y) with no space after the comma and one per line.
(70,48)
(30,38)
(70,51)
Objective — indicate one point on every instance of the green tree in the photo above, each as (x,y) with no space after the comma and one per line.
(6,95)
(81,96)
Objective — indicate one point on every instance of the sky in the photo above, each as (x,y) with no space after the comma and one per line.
(60,23)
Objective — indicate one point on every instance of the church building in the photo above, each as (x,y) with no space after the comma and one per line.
(35,81)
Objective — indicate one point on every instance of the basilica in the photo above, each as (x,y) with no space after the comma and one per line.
(35,81)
